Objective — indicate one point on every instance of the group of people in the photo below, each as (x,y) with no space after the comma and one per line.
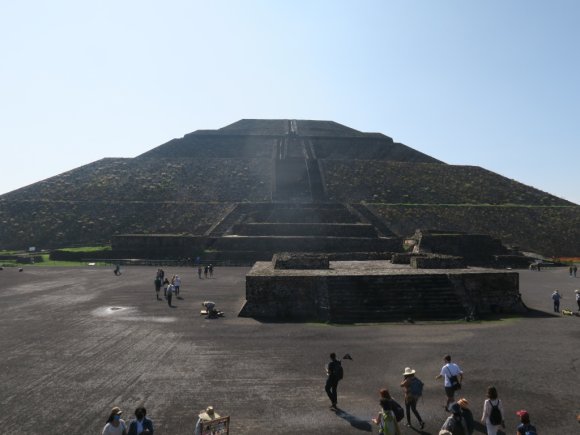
(141,425)
(459,422)
(207,270)
(170,287)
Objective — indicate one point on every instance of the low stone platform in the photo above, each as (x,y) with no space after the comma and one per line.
(377,291)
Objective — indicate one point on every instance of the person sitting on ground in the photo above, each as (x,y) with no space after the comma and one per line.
(141,425)
(210,308)
(204,416)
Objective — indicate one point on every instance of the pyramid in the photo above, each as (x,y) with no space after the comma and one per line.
(256,187)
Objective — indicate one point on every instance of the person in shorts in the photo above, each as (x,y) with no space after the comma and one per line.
(450,372)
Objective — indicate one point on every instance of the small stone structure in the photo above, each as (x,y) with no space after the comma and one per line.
(377,291)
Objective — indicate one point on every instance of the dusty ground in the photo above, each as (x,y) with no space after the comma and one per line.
(66,358)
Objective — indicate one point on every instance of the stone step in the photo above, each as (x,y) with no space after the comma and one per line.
(305,229)
(306,244)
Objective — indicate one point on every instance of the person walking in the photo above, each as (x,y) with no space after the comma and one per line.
(575,270)
(467,415)
(556,298)
(211,270)
(453,377)
(177,284)
(386,419)
(493,412)
(115,425)
(199,271)
(141,425)
(170,291)
(455,423)
(577,291)
(334,373)
(525,427)
(205,271)
(413,388)
(157,286)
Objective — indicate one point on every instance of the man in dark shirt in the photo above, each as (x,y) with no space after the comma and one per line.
(334,375)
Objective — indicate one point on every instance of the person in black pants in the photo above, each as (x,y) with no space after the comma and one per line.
(333,373)
(413,388)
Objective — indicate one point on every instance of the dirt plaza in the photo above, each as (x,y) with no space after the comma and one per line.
(77,341)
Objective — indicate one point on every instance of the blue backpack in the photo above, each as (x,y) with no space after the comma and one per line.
(416,387)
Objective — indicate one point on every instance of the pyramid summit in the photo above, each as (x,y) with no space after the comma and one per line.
(265,185)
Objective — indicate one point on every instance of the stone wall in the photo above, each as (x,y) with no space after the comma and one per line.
(375,296)
(437,262)
(552,231)
(304,229)
(425,183)
(300,260)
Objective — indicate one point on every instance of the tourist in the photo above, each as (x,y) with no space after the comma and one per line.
(204,416)
(117,270)
(333,376)
(467,415)
(211,270)
(556,298)
(571,269)
(141,425)
(413,388)
(165,285)
(170,291)
(177,284)
(205,271)
(157,286)
(492,412)
(115,425)
(453,378)
(577,298)
(575,270)
(386,420)
(199,271)
(525,427)
(210,309)
(455,423)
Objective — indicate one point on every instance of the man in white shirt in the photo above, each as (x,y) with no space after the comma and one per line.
(453,379)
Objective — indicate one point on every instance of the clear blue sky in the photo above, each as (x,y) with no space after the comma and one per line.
(493,83)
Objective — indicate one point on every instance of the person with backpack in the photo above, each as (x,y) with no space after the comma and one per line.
(387,419)
(334,374)
(467,415)
(413,388)
(453,379)
(455,423)
(525,427)
(492,412)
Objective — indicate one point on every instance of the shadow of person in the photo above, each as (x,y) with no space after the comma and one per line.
(354,421)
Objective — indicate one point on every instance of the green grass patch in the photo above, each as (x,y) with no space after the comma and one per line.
(87,249)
